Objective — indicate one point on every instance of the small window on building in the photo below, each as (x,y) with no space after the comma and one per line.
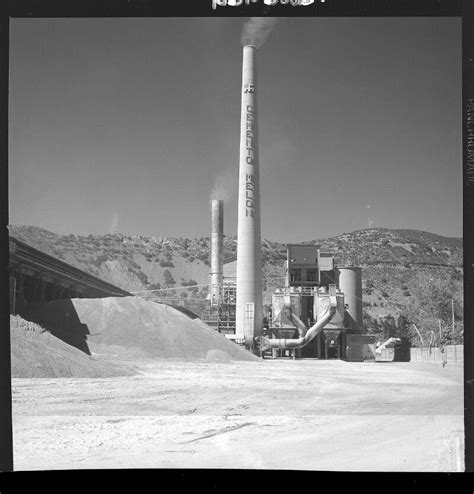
(295,275)
(312,275)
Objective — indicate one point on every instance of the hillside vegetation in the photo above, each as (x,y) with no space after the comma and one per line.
(403,270)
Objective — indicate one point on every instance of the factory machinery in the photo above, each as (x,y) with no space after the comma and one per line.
(318,311)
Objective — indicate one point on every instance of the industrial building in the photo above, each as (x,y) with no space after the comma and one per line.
(317,313)
(36,278)
(311,280)
(313,285)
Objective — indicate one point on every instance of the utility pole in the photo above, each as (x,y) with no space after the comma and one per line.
(442,345)
(452,313)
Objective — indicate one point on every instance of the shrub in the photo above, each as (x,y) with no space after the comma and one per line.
(186,243)
(100,259)
(142,277)
(169,280)
(166,263)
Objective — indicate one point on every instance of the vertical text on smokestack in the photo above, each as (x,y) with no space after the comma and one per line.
(249,187)
(249,136)
(249,178)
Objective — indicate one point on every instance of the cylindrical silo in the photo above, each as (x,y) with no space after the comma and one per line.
(217,249)
(249,306)
(350,283)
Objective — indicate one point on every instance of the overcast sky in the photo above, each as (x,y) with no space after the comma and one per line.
(128,125)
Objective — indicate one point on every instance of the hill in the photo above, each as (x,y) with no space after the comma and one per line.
(396,264)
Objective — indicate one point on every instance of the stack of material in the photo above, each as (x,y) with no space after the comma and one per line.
(132,327)
(35,352)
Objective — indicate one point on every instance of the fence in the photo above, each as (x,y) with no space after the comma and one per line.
(453,354)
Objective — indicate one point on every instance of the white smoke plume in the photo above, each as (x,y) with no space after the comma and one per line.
(114,223)
(371,221)
(224,185)
(256,30)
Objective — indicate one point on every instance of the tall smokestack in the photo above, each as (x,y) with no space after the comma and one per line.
(217,249)
(249,309)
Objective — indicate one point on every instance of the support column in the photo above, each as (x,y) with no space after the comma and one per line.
(42,290)
(13,290)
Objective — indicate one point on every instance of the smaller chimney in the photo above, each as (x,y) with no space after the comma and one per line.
(217,250)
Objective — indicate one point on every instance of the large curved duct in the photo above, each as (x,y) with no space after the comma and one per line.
(300,326)
(302,341)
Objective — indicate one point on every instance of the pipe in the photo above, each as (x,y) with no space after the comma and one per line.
(302,341)
(300,325)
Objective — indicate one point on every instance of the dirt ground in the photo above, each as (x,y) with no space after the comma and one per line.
(272,414)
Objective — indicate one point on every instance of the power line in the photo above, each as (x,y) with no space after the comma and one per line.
(171,288)
(190,287)
(195,286)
